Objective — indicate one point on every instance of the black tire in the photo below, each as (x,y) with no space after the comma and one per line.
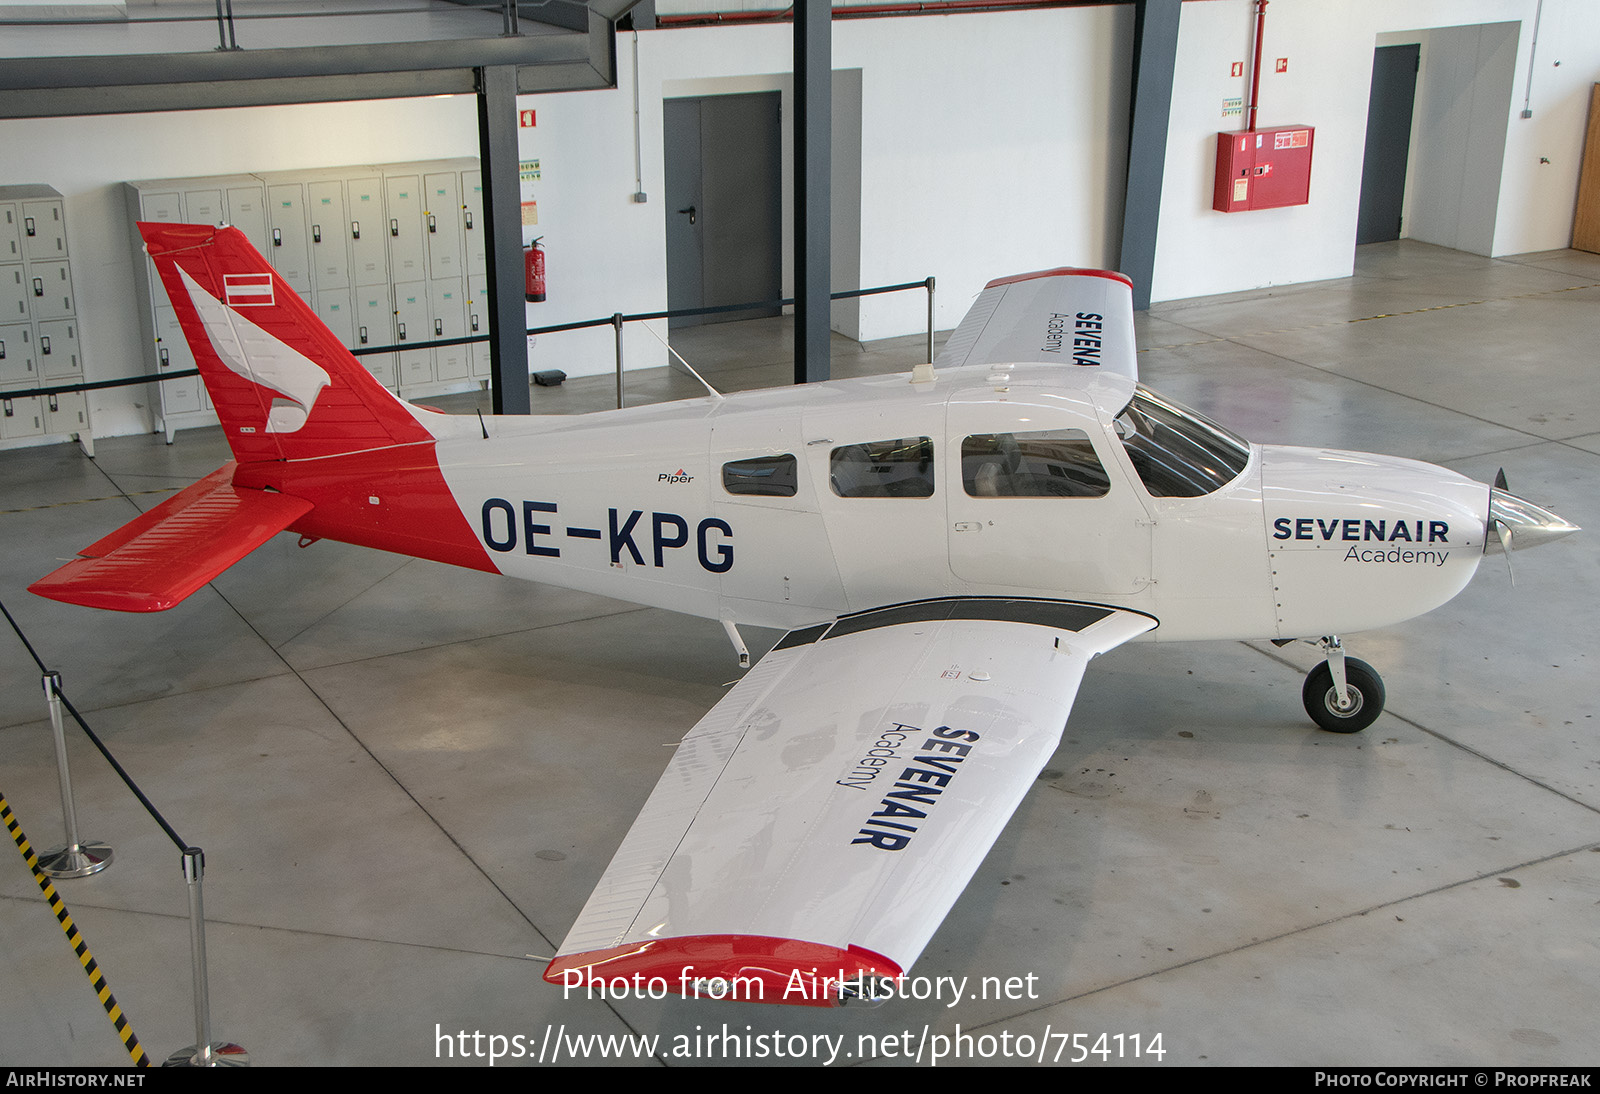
(1364,686)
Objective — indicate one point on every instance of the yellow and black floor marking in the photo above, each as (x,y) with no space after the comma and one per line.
(118,1020)
(1183,345)
(1474,303)
(1370,318)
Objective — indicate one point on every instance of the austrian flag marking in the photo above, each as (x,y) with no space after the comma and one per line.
(247,290)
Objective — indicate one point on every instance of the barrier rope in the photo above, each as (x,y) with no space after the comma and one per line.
(119,1021)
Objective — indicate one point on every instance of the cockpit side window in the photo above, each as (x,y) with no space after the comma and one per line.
(1177,452)
(900,468)
(762,476)
(1049,463)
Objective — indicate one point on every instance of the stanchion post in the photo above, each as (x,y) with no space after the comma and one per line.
(616,322)
(194,868)
(204,1052)
(75,859)
(930,319)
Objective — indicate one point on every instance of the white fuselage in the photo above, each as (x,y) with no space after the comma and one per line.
(633,504)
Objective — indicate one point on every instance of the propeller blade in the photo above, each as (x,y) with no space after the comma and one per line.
(1504,531)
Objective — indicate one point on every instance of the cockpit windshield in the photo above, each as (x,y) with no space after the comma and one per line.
(1177,452)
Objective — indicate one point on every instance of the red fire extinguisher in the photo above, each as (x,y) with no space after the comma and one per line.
(533,259)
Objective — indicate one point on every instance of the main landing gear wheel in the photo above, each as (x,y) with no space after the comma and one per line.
(1364,694)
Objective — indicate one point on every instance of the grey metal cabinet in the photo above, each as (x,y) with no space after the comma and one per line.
(386,255)
(38,320)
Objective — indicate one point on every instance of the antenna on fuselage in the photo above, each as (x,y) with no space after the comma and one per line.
(715,394)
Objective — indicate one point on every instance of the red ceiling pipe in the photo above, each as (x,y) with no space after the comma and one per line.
(1255,76)
(867,11)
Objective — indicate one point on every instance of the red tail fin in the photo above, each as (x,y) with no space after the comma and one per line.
(283,385)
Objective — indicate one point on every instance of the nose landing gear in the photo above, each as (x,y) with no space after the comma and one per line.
(1342,695)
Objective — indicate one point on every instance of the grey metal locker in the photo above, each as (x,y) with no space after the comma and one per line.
(333,308)
(403,228)
(203,206)
(57,350)
(478,323)
(442,220)
(369,248)
(411,324)
(247,212)
(50,284)
(182,396)
(21,417)
(161,207)
(382,368)
(18,363)
(374,317)
(445,300)
(330,254)
(475,242)
(10,233)
(44,231)
(289,248)
(67,412)
(15,302)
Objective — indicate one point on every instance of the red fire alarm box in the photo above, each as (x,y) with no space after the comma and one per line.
(1263,168)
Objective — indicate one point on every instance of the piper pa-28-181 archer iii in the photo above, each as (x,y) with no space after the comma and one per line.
(947,551)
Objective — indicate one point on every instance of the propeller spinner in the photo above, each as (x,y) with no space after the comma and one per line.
(1518,524)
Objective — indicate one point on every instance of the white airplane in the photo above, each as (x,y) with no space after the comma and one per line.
(947,550)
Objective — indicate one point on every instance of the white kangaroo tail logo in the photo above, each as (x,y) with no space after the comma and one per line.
(260,358)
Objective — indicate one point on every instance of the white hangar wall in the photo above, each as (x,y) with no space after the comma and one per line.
(979,145)
(87,159)
(1476,182)
(988,144)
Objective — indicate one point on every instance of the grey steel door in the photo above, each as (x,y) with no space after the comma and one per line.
(724,204)
(1383,171)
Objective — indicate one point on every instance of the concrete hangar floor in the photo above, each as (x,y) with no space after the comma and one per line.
(407,778)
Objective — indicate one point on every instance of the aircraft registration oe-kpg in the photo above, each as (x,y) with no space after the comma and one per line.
(947,550)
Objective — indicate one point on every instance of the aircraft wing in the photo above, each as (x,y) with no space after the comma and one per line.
(157,559)
(1064,317)
(819,822)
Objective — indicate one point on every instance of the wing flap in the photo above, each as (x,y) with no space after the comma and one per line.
(155,561)
(830,809)
(1065,317)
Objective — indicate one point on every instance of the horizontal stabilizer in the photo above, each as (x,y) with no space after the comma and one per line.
(154,562)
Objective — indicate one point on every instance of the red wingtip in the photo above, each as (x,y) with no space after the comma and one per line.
(742,968)
(1062,271)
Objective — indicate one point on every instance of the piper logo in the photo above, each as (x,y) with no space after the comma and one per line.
(679,476)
